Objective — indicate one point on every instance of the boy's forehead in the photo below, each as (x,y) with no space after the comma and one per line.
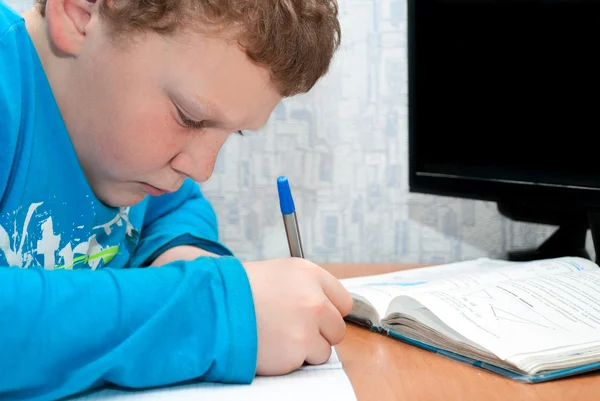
(214,77)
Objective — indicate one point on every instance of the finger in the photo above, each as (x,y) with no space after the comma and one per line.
(333,327)
(319,352)
(336,292)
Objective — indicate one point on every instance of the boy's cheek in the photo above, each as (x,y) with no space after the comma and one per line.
(136,148)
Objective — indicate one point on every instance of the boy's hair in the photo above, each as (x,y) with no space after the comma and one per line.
(294,39)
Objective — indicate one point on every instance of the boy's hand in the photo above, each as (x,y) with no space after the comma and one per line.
(299,311)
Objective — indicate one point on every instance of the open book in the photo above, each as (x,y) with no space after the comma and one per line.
(530,321)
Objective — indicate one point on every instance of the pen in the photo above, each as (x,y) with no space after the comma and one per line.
(288,210)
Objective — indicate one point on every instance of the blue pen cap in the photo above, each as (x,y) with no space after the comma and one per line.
(286,202)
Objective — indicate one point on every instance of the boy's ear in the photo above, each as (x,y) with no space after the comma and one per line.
(67,22)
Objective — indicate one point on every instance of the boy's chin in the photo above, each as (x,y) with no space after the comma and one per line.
(119,197)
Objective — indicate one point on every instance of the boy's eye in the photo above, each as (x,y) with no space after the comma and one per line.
(194,124)
(188,122)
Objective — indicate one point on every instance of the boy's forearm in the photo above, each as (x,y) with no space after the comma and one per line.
(182,252)
(136,327)
(179,226)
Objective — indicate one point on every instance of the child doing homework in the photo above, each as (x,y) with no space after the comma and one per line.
(111,269)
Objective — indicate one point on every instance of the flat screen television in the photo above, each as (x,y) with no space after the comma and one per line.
(504,106)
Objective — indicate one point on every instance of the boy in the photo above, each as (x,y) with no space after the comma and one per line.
(111,267)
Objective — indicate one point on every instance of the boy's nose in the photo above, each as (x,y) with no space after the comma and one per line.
(198,160)
(206,169)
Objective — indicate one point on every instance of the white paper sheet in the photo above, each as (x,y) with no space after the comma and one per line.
(310,383)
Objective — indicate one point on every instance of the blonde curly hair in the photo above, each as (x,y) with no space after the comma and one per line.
(294,39)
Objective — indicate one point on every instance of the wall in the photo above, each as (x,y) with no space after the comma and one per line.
(344,148)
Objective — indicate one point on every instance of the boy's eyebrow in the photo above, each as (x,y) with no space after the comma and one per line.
(212,112)
(207,108)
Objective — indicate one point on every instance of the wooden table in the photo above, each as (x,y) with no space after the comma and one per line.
(383,369)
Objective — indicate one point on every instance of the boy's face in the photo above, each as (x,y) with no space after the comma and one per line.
(144,116)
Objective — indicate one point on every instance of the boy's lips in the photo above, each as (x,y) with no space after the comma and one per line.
(152,190)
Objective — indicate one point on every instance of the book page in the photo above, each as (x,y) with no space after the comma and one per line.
(309,383)
(381,289)
(524,316)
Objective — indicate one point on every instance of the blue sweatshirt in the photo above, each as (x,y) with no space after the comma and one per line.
(78,307)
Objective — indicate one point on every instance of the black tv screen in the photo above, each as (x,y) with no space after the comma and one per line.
(505,90)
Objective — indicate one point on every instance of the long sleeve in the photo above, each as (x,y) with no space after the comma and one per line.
(64,332)
(184,217)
